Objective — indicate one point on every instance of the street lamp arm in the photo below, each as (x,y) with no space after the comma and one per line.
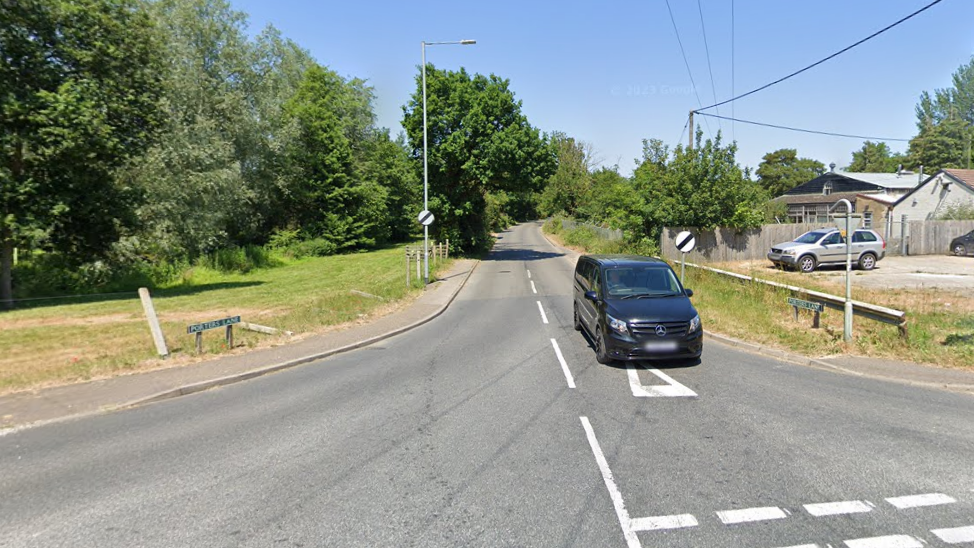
(848,205)
(460,42)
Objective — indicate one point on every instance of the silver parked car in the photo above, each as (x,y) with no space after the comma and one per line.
(827,246)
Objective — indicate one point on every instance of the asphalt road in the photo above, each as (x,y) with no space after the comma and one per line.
(468,431)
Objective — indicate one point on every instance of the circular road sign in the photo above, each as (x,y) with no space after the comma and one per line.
(425,217)
(685,241)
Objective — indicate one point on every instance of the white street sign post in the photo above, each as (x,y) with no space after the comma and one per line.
(684,242)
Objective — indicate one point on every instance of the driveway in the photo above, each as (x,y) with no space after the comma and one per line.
(915,272)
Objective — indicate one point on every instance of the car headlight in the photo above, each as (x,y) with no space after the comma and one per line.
(695,323)
(789,252)
(617,325)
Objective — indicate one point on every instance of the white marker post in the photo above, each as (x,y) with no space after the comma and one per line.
(684,242)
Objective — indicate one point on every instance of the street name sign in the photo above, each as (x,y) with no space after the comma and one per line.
(807,305)
(198,327)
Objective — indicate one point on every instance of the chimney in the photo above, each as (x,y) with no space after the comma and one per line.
(921,174)
(899,170)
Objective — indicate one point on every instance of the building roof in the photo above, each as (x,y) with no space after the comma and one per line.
(818,198)
(881,198)
(963,177)
(903,181)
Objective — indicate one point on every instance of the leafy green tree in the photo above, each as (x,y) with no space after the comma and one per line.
(329,200)
(782,170)
(703,187)
(945,121)
(611,199)
(479,142)
(79,91)
(876,158)
(571,179)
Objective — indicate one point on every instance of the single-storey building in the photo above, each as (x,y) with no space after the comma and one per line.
(937,195)
(810,202)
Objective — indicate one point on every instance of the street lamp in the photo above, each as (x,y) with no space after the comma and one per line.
(426,230)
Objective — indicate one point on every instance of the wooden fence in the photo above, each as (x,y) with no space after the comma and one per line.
(731,244)
(414,255)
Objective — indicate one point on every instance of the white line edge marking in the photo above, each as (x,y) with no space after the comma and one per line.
(529,274)
(955,535)
(535,289)
(916,501)
(656,523)
(672,390)
(544,318)
(805,546)
(620,506)
(891,541)
(564,366)
(837,508)
(730,517)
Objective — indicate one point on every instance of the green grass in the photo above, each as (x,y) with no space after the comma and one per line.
(940,324)
(69,340)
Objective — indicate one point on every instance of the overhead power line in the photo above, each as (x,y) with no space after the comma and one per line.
(685,62)
(706,47)
(815,64)
(829,133)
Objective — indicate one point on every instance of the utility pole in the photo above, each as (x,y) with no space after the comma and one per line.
(690,144)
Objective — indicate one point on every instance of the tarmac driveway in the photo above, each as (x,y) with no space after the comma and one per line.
(945,272)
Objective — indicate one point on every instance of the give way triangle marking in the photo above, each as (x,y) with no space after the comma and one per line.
(672,389)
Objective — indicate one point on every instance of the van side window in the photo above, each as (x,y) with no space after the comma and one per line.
(597,281)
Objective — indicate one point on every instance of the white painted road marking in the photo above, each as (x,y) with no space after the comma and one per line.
(529,274)
(535,289)
(657,523)
(730,517)
(544,318)
(671,390)
(620,506)
(806,546)
(956,535)
(892,541)
(916,501)
(836,508)
(564,366)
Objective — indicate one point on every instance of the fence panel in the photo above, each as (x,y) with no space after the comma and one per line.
(730,244)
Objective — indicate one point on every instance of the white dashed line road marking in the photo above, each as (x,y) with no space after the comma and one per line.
(805,546)
(564,366)
(730,517)
(656,523)
(620,506)
(544,318)
(956,535)
(534,289)
(892,541)
(529,274)
(671,390)
(916,501)
(837,508)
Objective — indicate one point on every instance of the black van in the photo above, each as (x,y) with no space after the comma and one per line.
(635,309)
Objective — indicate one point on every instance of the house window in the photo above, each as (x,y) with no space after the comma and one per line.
(827,188)
(867,219)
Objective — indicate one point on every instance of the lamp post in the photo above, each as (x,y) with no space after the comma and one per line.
(426,230)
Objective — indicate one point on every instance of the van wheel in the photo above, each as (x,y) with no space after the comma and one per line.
(867,261)
(578,321)
(601,354)
(806,264)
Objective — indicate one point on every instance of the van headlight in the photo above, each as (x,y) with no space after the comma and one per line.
(618,326)
(694,324)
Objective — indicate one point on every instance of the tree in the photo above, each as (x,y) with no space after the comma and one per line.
(570,181)
(782,170)
(79,91)
(945,122)
(876,158)
(702,187)
(479,143)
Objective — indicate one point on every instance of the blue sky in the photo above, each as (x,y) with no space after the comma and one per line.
(611,73)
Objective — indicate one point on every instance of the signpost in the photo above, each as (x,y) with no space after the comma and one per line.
(425,217)
(817,308)
(684,242)
(199,328)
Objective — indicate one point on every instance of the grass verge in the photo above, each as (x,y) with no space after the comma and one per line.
(55,342)
(940,323)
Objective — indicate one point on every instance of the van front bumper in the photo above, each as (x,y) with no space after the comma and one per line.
(628,349)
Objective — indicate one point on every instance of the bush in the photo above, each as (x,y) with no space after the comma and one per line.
(238,259)
(317,247)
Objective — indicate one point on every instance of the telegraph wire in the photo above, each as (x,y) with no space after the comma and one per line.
(706,47)
(685,62)
(680,140)
(829,133)
(815,64)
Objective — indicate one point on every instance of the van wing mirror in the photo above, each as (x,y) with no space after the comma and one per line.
(590,295)
(689,292)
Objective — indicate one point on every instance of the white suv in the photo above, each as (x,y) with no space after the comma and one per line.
(827,246)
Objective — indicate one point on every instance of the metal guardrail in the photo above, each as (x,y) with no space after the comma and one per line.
(859,308)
